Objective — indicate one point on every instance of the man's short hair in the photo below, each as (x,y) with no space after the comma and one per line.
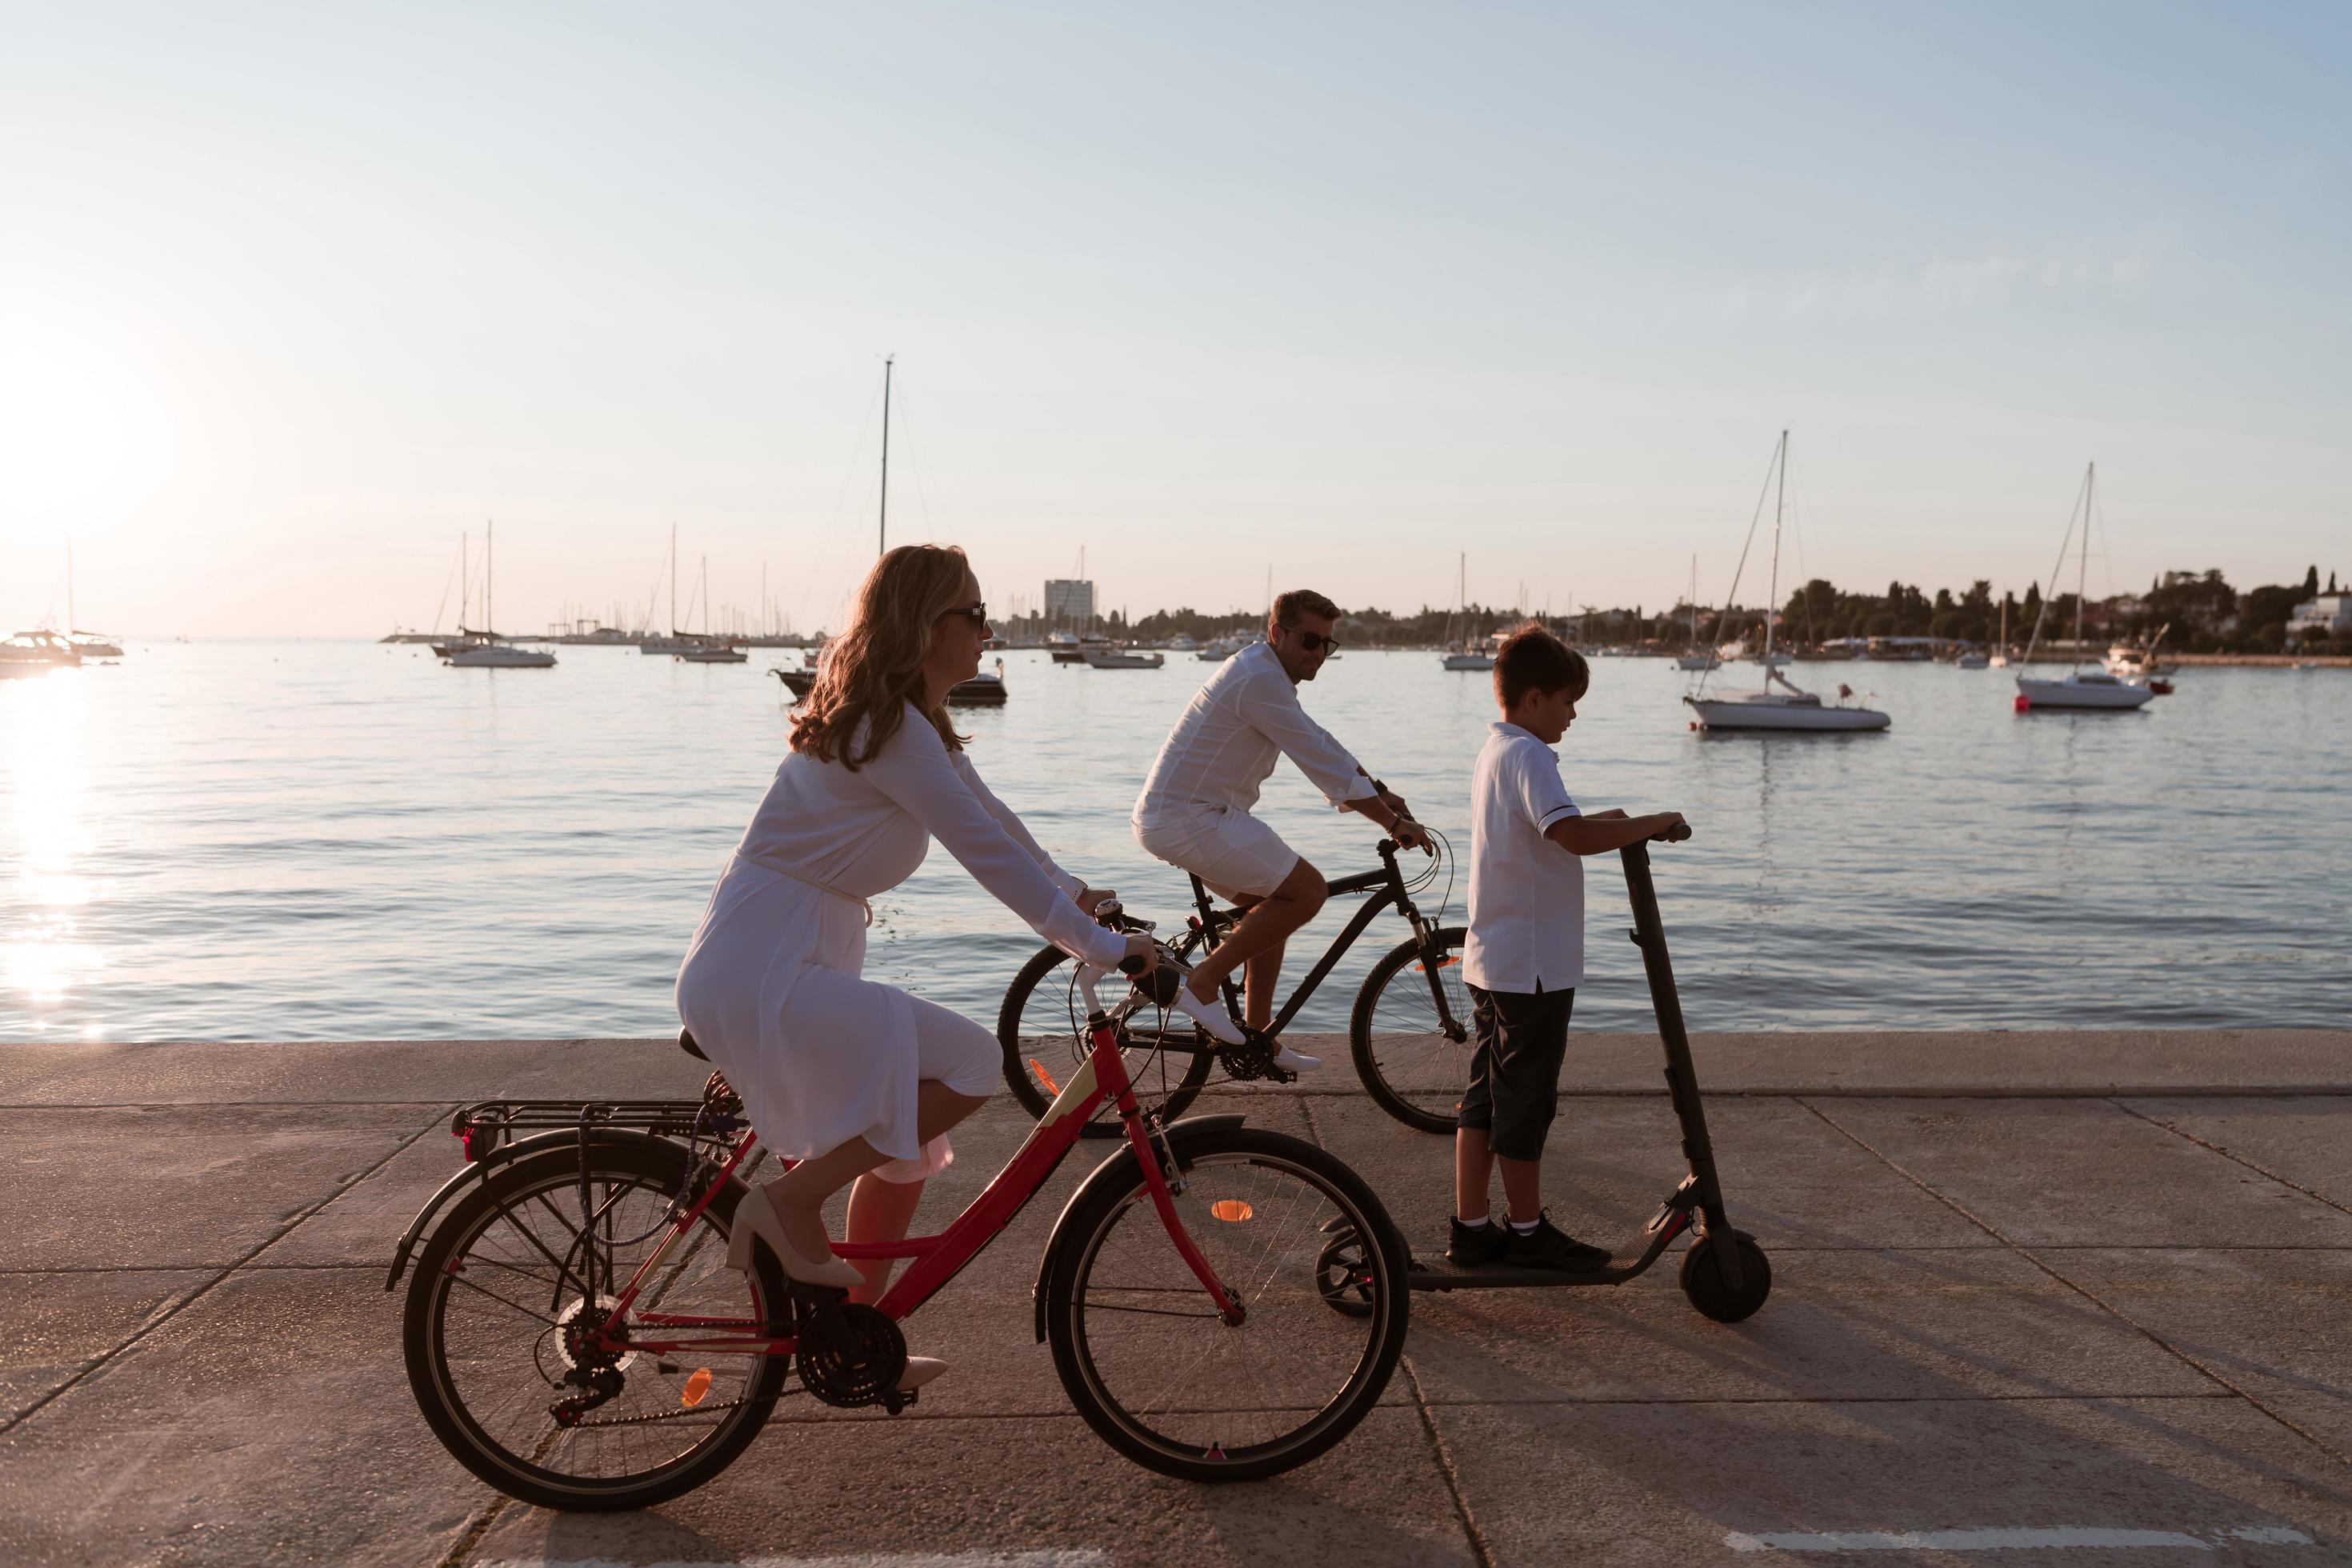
(1532,659)
(1297,602)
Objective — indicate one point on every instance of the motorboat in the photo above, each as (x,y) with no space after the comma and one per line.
(1972,660)
(2139,661)
(985,689)
(34,652)
(2080,690)
(1699,661)
(1183,642)
(1219,651)
(1468,660)
(1121,659)
(712,653)
(1789,708)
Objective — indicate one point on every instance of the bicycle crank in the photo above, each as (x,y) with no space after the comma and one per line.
(849,1354)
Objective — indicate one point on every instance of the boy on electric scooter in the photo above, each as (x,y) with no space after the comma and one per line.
(1525,956)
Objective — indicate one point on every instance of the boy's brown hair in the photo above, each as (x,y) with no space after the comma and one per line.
(1532,659)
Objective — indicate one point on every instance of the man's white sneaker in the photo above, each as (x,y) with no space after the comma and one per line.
(1295,1062)
(1210,1015)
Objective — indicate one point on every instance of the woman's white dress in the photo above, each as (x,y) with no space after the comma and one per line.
(819,1062)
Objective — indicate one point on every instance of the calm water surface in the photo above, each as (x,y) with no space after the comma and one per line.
(308,840)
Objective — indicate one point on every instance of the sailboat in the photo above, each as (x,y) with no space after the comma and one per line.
(708,649)
(494,652)
(1999,660)
(1698,658)
(2091,689)
(90,645)
(1792,709)
(1461,655)
(676,641)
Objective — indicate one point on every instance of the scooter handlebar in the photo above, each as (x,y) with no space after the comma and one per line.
(1674,834)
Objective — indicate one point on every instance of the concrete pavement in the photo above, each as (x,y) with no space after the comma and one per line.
(2068,1297)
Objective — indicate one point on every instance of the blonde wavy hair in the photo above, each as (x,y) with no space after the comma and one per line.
(875,668)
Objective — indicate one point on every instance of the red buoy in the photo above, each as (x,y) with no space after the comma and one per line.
(2024,702)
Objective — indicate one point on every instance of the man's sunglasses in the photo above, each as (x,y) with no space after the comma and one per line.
(976,614)
(1310,641)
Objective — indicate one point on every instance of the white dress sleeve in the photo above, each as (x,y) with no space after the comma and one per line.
(1013,824)
(1270,703)
(914,773)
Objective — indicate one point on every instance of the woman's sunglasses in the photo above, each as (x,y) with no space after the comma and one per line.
(1310,641)
(976,614)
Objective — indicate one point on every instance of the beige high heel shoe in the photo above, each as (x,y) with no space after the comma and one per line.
(920,1370)
(756,1215)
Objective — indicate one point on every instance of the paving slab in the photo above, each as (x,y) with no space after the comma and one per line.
(1942,1324)
(2085,1173)
(2276,1324)
(270,1421)
(872,1494)
(168,1187)
(1789,1178)
(1647,1484)
(53,1325)
(2307,1141)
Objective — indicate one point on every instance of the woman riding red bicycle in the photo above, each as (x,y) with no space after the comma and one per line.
(852,1078)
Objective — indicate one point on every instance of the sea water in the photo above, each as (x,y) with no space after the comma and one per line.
(308,840)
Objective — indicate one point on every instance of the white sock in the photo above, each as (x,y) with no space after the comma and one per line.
(1528,1228)
(1478,1223)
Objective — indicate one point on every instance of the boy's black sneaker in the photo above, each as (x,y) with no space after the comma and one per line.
(1549,1247)
(1467,1247)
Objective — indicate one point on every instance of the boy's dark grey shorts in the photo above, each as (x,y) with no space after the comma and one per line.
(1514,1074)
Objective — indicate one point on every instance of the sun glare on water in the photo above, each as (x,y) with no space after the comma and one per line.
(40,961)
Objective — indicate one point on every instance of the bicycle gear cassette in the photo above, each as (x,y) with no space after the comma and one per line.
(848,1354)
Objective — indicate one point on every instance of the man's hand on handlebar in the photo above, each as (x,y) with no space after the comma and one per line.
(1089,898)
(1413,835)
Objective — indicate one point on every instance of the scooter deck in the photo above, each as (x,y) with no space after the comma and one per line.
(1437,1274)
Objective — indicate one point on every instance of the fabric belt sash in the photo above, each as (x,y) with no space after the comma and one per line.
(795,874)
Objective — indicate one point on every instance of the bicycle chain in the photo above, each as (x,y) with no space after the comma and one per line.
(666,1414)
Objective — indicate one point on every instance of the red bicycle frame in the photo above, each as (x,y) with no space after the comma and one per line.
(937,1259)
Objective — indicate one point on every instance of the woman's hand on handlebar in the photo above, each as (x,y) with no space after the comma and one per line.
(1142,956)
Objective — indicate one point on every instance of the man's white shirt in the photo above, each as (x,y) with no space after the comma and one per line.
(1244,717)
(1526,893)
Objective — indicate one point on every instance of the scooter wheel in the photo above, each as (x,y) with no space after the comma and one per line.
(1703,1281)
(1343,1275)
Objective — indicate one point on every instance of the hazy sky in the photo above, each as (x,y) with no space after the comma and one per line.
(291,295)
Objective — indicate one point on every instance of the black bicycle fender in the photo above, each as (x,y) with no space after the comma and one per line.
(479,1170)
(1177,1133)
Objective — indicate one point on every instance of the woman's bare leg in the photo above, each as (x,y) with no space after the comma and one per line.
(800,1194)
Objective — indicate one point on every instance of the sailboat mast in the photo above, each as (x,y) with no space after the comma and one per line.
(69,605)
(489,572)
(882,536)
(2082,559)
(464,581)
(1772,593)
(673,579)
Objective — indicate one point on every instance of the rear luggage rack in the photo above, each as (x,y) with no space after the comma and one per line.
(484,1126)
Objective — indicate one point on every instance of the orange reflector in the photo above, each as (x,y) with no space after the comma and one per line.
(696,1387)
(1234,1210)
(1039,1068)
(1441,964)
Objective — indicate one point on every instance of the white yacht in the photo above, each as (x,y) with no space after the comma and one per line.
(488,650)
(2080,689)
(34,652)
(1789,708)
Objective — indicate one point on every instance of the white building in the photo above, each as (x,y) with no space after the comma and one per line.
(1069,602)
(2328,613)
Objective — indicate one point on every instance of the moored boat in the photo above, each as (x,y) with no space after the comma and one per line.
(2080,690)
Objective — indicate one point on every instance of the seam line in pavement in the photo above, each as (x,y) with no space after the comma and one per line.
(165,1315)
(2108,1307)
(1477,1538)
(1786,1091)
(2227,1154)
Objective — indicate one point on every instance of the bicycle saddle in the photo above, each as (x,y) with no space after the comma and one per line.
(686,1043)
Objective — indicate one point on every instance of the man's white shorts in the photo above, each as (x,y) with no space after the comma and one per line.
(1235,853)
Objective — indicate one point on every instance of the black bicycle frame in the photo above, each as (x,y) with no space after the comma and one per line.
(1389,883)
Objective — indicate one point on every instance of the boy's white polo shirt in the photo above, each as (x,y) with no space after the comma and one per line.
(1526,893)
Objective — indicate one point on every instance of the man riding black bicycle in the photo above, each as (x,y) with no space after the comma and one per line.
(1194,811)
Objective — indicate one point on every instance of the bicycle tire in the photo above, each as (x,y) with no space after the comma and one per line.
(1034,1099)
(1450,1064)
(660,1166)
(1294,1321)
